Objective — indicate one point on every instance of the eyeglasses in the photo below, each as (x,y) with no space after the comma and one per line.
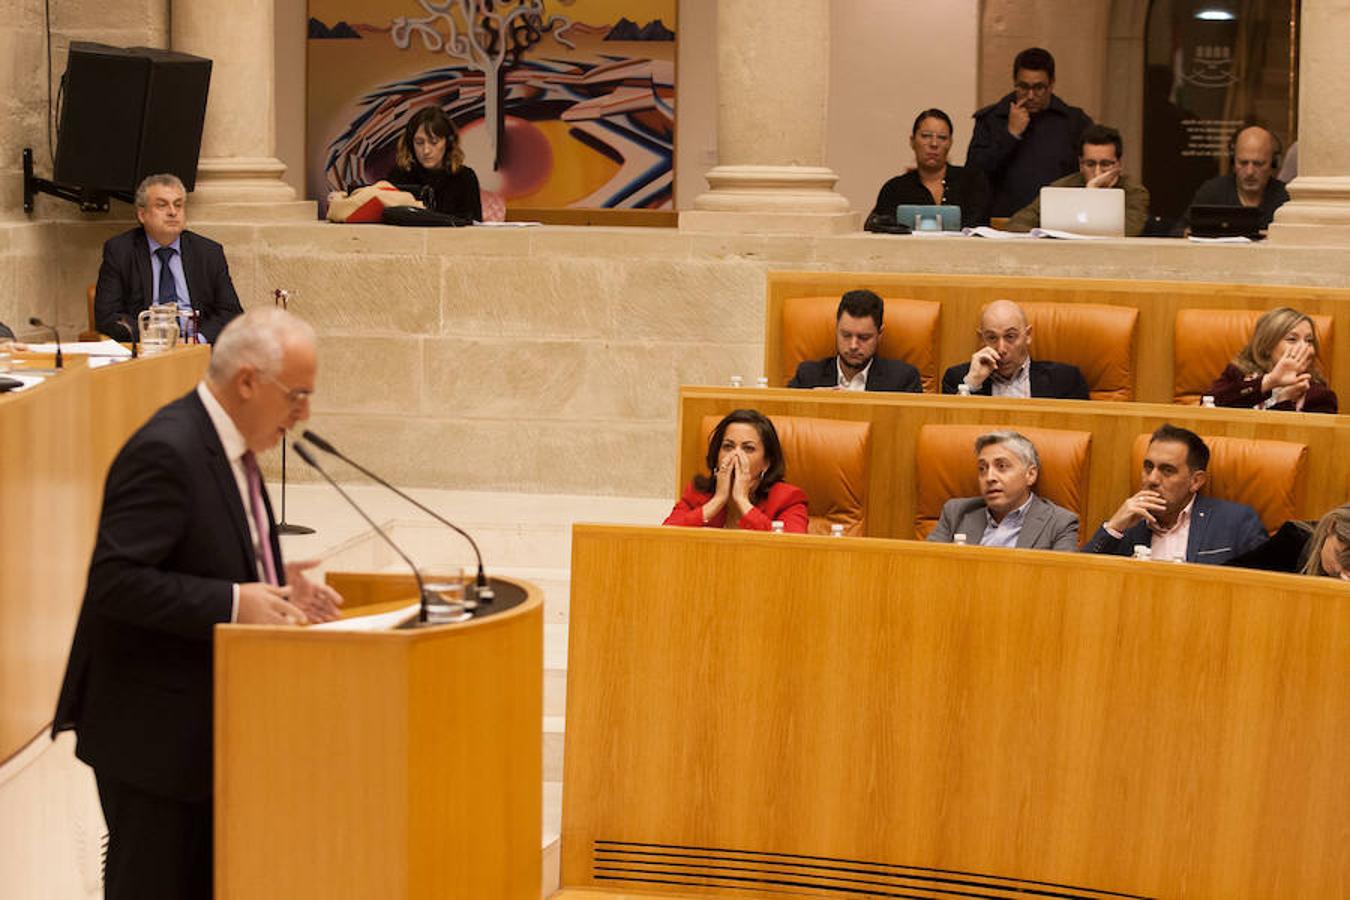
(1024,88)
(294,396)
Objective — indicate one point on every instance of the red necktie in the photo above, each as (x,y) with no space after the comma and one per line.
(255,503)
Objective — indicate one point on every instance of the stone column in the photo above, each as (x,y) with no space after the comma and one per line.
(773,63)
(1318,211)
(239,176)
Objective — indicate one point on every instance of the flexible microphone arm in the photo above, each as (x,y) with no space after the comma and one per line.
(308,457)
(485,592)
(131,333)
(38,323)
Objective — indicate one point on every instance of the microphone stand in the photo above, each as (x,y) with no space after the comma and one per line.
(281,298)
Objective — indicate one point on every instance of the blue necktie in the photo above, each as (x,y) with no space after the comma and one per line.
(168,292)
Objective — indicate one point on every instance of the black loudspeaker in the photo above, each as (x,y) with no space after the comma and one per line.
(128,113)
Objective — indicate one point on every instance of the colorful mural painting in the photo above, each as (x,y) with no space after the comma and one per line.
(559,103)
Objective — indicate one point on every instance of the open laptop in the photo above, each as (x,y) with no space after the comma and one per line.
(1225,221)
(1097,211)
(929,218)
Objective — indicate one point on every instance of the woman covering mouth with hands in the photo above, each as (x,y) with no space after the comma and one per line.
(745,487)
(1278,369)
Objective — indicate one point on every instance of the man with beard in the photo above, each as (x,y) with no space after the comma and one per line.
(855,366)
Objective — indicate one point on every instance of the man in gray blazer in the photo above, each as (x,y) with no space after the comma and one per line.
(1007,513)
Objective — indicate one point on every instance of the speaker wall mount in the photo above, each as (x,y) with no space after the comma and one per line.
(89,199)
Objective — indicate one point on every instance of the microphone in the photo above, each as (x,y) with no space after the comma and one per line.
(38,323)
(421,588)
(483,590)
(131,333)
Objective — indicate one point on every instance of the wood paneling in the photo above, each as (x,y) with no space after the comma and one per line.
(1156,729)
(962,297)
(56,443)
(897,418)
(391,764)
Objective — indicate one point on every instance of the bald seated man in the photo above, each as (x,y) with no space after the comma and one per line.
(1252,181)
(1003,366)
(186,542)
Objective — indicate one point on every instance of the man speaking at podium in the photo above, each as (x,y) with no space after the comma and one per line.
(185,542)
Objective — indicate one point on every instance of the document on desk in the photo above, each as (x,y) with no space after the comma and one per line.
(985,231)
(386,621)
(84,348)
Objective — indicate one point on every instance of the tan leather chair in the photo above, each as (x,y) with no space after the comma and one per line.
(829,460)
(92,334)
(944,467)
(1204,342)
(1097,338)
(911,334)
(1269,476)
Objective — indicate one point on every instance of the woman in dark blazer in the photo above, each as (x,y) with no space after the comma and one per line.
(429,153)
(745,486)
(934,182)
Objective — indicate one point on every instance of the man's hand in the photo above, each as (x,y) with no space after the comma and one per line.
(1107,179)
(266,604)
(1018,118)
(983,362)
(1145,505)
(317,601)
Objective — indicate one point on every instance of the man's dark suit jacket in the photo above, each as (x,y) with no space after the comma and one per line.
(885,375)
(126,284)
(1048,379)
(5,331)
(172,540)
(1220,530)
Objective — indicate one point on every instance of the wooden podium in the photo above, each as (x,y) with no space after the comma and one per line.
(392,764)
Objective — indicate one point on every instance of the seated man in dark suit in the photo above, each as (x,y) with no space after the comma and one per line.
(856,367)
(160,262)
(1255,157)
(1170,515)
(1008,513)
(1003,367)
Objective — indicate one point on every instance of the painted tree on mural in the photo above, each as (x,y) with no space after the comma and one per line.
(492,36)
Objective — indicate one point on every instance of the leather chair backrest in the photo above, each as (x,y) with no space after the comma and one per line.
(945,467)
(1269,476)
(829,460)
(911,334)
(1097,338)
(1204,342)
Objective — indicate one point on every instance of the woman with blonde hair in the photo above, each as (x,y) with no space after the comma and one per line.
(1328,551)
(1278,369)
(429,153)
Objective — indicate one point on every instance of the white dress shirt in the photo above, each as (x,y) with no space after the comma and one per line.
(857,382)
(1019,385)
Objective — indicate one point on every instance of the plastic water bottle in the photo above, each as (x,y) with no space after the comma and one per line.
(736,381)
(963,390)
(836,530)
(1142,551)
(1207,401)
(959,538)
(762,381)
(777,526)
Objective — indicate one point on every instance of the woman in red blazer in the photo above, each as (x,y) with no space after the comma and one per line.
(745,488)
(1278,369)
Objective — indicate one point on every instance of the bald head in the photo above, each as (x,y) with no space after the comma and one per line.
(1005,329)
(1253,163)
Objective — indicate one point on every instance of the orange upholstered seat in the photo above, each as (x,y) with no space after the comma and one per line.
(828,459)
(911,334)
(1096,338)
(92,332)
(1205,341)
(944,464)
(1268,476)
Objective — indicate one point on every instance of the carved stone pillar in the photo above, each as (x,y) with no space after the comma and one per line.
(1318,211)
(773,60)
(239,176)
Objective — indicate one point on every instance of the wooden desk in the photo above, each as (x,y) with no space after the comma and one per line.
(56,442)
(897,418)
(775,715)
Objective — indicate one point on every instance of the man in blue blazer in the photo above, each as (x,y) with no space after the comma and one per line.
(858,323)
(186,541)
(1170,515)
(163,262)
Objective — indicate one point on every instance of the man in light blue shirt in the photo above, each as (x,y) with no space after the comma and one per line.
(1007,513)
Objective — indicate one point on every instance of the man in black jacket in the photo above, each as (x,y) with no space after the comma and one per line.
(858,323)
(1003,367)
(1027,139)
(186,541)
(161,262)
(1256,156)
